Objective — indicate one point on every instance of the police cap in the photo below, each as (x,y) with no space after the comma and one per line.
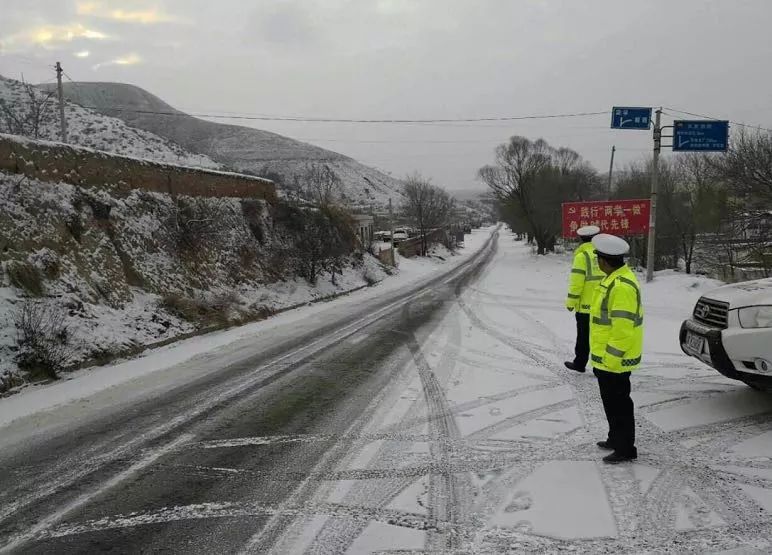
(588,231)
(610,246)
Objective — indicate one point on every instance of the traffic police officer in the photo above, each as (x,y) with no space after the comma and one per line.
(616,343)
(583,280)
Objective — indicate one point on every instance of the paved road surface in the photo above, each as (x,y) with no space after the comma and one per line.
(439,420)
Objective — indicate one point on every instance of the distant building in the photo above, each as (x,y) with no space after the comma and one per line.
(364,228)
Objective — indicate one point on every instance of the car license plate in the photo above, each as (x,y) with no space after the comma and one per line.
(694,342)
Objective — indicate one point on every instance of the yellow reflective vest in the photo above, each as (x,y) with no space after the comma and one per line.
(584,279)
(616,323)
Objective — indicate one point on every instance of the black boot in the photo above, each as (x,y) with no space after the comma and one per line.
(572,366)
(605,445)
(621,456)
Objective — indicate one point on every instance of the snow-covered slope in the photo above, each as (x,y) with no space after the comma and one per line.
(243,148)
(126,270)
(91,129)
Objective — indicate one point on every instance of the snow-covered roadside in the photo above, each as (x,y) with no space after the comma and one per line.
(84,383)
(516,468)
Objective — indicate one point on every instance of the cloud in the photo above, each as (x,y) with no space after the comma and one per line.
(288,24)
(128,60)
(49,36)
(147,16)
(82,54)
(395,7)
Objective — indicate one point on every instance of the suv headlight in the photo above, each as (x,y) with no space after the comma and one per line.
(756,316)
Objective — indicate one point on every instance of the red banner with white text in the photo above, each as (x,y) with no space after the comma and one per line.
(625,218)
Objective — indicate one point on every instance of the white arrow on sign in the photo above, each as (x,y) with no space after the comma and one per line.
(681,142)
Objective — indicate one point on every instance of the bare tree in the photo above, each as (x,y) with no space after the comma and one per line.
(27,116)
(321,184)
(531,180)
(323,240)
(427,206)
(340,239)
(695,205)
(747,171)
(747,167)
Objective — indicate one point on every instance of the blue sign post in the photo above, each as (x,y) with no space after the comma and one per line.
(630,118)
(700,136)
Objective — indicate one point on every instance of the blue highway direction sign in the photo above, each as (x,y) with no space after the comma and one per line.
(630,118)
(700,135)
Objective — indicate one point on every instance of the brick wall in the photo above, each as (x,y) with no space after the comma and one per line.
(412,247)
(56,162)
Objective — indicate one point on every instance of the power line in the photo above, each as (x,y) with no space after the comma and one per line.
(492,140)
(349,120)
(718,119)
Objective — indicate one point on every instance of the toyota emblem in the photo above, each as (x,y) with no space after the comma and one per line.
(702,311)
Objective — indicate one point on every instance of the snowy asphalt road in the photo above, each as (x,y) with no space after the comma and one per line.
(439,420)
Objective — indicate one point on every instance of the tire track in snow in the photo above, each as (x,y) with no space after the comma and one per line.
(267,536)
(225,510)
(444,504)
(470,405)
(522,418)
(381,493)
(341,535)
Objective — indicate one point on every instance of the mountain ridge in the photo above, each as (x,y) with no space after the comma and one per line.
(86,128)
(244,149)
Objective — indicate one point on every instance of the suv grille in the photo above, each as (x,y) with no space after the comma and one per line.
(712,313)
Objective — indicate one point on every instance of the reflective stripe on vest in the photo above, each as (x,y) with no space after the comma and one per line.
(605,317)
(625,362)
(637,319)
(588,264)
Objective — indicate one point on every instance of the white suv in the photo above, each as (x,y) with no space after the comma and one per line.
(731,330)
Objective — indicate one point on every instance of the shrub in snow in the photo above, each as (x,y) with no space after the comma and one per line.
(370,277)
(43,338)
(74,225)
(252,211)
(194,224)
(99,209)
(217,310)
(24,275)
(47,261)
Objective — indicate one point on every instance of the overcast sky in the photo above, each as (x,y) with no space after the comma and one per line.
(415,59)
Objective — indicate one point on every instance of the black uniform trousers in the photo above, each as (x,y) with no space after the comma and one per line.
(582,348)
(615,393)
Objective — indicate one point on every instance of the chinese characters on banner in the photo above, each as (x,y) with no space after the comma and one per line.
(617,217)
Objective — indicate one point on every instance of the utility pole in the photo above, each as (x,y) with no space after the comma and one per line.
(654,186)
(611,170)
(63,121)
(391,236)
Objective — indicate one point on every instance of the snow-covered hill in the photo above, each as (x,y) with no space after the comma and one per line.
(243,148)
(88,128)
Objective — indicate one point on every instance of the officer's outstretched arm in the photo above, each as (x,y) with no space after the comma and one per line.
(623,310)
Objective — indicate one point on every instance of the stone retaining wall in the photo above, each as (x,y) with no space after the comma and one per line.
(56,162)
